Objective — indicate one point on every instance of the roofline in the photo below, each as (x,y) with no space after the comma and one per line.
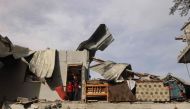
(185,25)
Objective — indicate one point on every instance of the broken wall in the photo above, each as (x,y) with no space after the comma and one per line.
(71,58)
(13,85)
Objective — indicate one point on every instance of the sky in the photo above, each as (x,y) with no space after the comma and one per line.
(144,31)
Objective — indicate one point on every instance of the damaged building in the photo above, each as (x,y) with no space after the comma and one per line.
(184,54)
(39,73)
(28,76)
(45,74)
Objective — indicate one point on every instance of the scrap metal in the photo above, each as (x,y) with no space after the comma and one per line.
(111,70)
(99,40)
(7,49)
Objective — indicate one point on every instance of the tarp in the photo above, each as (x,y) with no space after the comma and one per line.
(42,63)
(111,70)
(99,40)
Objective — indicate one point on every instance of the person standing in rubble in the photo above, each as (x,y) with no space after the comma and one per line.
(77,87)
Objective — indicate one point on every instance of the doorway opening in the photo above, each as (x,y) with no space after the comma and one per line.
(74,75)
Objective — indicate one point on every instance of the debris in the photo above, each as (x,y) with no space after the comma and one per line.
(99,40)
(42,63)
(17,106)
(6,46)
(7,49)
(9,105)
(55,105)
(22,100)
(111,70)
(146,76)
(179,89)
(33,106)
(120,92)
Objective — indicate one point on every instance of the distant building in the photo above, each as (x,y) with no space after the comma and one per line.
(184,57)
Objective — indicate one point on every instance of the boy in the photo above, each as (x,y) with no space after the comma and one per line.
(70,90)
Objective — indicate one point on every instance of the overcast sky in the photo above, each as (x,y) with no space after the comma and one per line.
(144,31)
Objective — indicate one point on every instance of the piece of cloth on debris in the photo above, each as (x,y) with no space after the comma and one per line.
(131,84)
(42,63)
(99,40)
(120,92)
(111,70)
(7,49)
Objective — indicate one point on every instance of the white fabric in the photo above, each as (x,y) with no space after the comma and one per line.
(131,84)
(42,63)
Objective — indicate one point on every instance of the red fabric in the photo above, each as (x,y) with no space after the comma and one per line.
(182,94)
(69,88)
(60,91)
(170,87)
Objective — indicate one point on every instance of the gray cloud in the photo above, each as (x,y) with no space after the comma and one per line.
(144,32)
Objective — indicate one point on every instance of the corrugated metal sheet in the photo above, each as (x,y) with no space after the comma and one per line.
(42,64)
(110,70)
(99,40)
